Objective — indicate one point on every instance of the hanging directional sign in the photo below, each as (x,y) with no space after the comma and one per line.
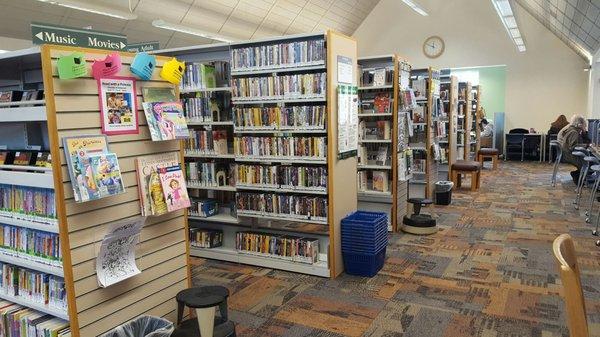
(143,46)
(42,33)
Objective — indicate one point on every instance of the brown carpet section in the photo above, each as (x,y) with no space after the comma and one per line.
(488,272)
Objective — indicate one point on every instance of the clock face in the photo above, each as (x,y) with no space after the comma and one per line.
(433,47)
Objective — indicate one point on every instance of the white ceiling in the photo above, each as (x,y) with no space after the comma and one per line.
(575,22)
(241,19)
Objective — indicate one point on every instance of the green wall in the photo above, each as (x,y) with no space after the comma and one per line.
(493,86)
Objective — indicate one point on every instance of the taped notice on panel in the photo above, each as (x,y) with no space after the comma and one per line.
(347,121)
(116,259)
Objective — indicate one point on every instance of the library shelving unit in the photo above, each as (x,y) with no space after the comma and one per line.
(208,111)
(404,154)
(465,114)
(475,143)
(425,118)
(448,144)
(71,108)
(262,126)
(378,111)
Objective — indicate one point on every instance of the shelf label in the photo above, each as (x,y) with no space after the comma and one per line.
(52,34)
(143,46)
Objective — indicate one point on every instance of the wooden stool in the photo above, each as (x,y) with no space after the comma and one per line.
(466,167)
(488,153)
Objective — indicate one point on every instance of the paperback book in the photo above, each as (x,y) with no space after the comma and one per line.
(107,174)
(172,180)
(152,199)
(165,120)
(77,149)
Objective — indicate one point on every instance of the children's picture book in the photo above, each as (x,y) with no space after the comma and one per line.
(152,200)
(166,120)
(172,180)
(77,148)
(107,174)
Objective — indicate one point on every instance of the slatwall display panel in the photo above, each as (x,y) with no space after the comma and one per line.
(162,253)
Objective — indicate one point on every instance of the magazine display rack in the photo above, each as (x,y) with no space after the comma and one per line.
(231,218)
(71,108)
(425,142)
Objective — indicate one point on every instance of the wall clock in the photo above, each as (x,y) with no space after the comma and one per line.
(433,47)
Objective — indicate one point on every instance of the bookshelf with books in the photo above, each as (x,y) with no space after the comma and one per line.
(403,151)
(476,115)
(426,120)
(31,258)
(449,121)
(378,111)
(60,231)
(210,168)
(463,125)
(281,154)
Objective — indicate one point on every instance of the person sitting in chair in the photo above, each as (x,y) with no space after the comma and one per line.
(488,129)
(570,137)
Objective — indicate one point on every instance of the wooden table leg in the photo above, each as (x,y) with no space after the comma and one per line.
(473,182)
(478,179)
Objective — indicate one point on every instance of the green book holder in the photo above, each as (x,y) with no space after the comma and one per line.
(72,66)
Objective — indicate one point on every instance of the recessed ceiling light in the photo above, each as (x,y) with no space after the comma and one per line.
(93,8)
(415,7)
(190,30)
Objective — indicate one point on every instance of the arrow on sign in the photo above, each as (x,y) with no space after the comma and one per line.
(40,35)
(123,45)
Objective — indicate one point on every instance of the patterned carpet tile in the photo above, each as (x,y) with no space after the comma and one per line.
(488,272)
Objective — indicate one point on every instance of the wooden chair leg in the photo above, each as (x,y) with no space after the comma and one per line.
(480,159)
(473,182)
(478,179)
(495,162)
(459,179)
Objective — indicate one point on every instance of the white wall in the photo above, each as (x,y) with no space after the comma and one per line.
(541,83)
(7,43)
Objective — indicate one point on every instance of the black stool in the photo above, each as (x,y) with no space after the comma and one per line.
(417,223)
(204,300)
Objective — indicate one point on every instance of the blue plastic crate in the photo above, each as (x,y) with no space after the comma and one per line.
(364,218)
(361,264)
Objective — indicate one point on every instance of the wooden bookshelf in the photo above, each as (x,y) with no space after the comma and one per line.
(340,192)
(369,116)
(464,120)
(449,99)
(423,184)
(476,124)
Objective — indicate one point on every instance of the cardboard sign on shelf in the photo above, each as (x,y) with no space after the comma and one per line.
(107,67)
(143,65)
(71,66)
(172,71)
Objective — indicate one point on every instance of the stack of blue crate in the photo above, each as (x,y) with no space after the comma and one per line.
(364,241)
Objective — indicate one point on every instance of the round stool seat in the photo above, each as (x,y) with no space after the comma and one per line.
(466,166)
(578,154)
(595,168)
(580,148)
(420,201)
(590,159)
(486,151)
(200,297)
(190,328)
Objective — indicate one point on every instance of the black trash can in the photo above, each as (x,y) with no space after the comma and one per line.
(443,192)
